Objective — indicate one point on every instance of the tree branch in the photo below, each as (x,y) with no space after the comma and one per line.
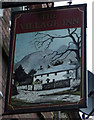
(50,39)
(46,39)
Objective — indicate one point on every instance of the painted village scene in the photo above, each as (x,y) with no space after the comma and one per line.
(47,68)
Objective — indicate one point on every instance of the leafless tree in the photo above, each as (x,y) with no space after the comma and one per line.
(46,39)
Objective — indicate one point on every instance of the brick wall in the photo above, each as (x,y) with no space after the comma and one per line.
(5,29)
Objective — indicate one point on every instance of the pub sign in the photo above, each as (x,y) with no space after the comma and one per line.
(47,62)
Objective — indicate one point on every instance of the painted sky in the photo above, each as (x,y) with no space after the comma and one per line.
(25,42)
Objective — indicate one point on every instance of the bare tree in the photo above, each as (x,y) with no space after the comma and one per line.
(46,39)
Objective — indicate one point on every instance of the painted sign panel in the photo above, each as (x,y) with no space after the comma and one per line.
(47,69)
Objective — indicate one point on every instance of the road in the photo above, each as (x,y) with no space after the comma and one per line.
(44,97)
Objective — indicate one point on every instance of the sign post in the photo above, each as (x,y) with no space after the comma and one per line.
(47,67)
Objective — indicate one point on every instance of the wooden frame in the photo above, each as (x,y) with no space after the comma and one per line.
(47,65)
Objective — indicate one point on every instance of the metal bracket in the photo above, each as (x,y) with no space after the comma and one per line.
(89,111)
(91,93)
(48,4)
(90,114)
(70,2)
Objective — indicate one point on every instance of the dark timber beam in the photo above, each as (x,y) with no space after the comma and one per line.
(18,4)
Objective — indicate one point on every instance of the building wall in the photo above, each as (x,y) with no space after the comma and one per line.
(4,45)
(5,29)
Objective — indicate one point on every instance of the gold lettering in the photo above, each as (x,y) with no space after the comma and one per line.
(70,22)
(27,26)
(51,24)
(45,24)
(30,26)
(48,16)
(21,26)
(36,26)
(75,21)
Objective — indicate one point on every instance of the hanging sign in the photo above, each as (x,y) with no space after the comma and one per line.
(47,67)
